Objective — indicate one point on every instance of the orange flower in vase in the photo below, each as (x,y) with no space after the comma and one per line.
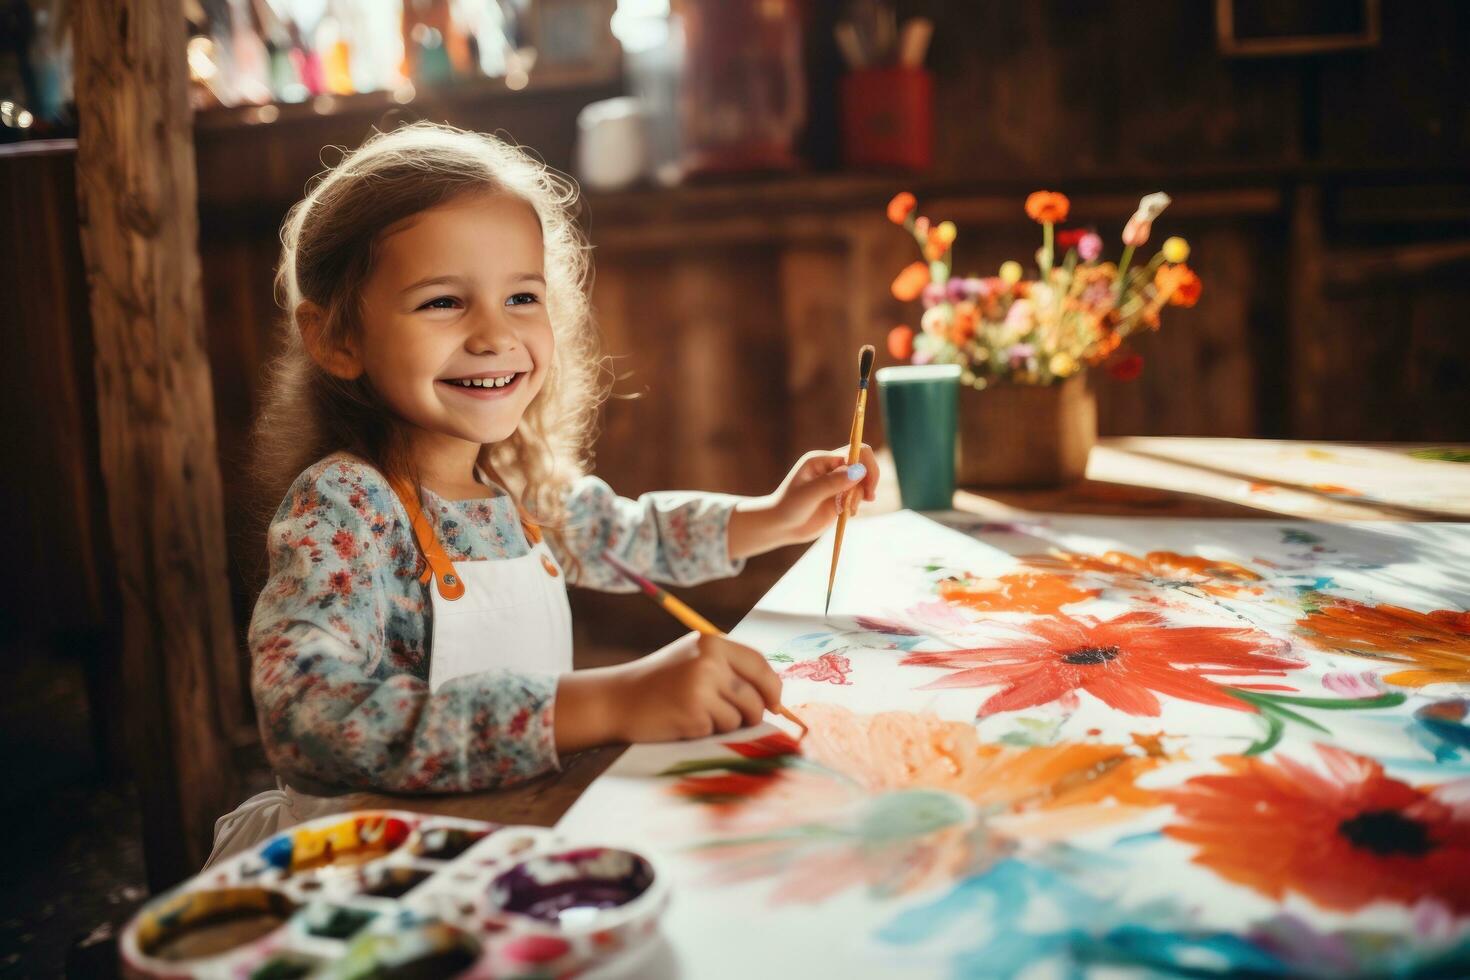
(901,342)
(1344,835)
(1178,284)
(1124,662)
(901,207)
(910,283)
(1048,207)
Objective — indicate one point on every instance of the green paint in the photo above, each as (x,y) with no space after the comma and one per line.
(910,813)
(1443,455)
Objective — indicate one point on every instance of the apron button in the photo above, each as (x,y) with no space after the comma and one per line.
(550,568)
(450,580)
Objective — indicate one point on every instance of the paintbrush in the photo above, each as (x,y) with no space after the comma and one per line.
(854,450)
(685,615)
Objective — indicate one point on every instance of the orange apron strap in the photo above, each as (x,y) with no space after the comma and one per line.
(437,563)
(532,529)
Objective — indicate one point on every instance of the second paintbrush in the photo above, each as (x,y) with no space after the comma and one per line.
(685,615)
(854,451)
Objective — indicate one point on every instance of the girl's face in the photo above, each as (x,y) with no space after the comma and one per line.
(455,335)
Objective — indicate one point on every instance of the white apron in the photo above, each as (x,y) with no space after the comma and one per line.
(497,614)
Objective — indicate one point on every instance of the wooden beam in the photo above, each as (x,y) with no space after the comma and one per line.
(136,191)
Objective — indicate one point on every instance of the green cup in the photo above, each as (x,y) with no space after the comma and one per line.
(920,412)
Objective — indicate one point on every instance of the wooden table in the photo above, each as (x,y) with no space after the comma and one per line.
(1139,477)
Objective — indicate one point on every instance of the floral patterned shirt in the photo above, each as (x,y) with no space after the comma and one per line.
(340,640)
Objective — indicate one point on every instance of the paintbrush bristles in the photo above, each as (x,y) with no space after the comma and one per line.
(865,364)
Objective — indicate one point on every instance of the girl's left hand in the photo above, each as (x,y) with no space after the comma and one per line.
(805,504)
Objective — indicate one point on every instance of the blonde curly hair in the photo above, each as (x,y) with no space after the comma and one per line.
(328,243)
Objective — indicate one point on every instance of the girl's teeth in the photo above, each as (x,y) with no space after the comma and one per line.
(486,382)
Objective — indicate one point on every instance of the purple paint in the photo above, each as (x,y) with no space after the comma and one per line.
(549,886)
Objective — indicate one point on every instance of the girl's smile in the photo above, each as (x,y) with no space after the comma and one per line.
(490,384)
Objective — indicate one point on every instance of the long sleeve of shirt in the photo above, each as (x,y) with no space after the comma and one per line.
(677,537)
(340,651)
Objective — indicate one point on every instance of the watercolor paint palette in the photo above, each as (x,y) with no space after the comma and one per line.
(393,894)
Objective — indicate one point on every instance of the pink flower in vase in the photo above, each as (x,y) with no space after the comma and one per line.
(1089,246)
(1019,354)
(933,295)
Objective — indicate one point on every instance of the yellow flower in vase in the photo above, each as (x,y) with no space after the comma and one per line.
(1062,364)
(1175,250)
(1010,272)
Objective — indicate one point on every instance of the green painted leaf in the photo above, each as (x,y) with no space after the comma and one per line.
(1444,455)
(1274,730)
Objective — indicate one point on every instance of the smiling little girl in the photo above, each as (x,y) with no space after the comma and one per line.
(431,415)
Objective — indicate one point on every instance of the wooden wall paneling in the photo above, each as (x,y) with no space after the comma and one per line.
(633,304)
(1054,89)
(1440,369)
(53,481)
(1402,103)
(242,329)
(815,293)
(136,188)
(729,379)
(1199,369)
(1314,400)
(53,488)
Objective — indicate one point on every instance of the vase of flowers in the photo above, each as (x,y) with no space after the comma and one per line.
(1028,416)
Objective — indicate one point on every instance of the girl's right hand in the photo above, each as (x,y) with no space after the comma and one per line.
(696,686)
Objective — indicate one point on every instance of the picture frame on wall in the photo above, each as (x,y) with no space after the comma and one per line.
(574,41)
(1285,28)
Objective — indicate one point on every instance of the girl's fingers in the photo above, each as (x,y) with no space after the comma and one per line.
(870,481)
(807,496)
(748,701)
(753,669)
(726,716)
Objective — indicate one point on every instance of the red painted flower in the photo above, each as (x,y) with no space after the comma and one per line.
(832,668)
(1343,836)
(1123,662)
(766,747)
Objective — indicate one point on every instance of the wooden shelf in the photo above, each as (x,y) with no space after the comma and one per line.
(479,91)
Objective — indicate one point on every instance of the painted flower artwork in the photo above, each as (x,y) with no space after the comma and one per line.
(1088,746)
(1125,662)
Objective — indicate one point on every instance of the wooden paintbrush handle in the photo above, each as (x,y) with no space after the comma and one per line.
(855,437)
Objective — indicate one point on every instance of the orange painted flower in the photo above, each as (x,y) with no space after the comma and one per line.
(1124,662)
(1047,207)
(911,282)
(1216,577)
(1344,836)
(901,342)
(1436,645)
(901,207)
(1022,592)
(897,801)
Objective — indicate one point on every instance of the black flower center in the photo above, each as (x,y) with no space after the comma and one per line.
(1387,832)
(1091,655)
